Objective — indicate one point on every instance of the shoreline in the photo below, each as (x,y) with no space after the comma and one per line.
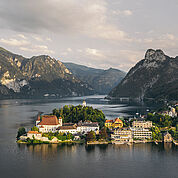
(95,142)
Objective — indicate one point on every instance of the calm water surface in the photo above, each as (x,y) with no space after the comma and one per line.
(139,160)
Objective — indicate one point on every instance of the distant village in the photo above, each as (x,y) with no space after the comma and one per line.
(51,129)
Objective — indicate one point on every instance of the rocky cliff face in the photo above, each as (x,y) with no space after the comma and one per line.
(38,76)
(101,80)
(154,77)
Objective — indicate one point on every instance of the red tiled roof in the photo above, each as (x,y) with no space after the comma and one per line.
(66,127)
(107,121)
(33,132)
(118,120)
(49,120)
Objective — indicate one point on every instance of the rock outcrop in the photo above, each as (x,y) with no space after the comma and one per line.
(38,76)
(154,77)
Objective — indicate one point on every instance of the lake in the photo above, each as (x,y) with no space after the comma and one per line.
(75,160)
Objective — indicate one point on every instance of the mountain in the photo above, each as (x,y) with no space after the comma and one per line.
(154,77)
(38,76)
(101,80)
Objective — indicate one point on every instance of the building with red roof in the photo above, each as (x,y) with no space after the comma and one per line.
(48,123)
(112,124)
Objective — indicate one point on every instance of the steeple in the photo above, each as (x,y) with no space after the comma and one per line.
(84,103)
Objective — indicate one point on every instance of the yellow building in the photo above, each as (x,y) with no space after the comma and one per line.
(117,123)
(113,124)
(108,124)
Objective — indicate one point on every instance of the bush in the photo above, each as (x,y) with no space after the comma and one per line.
(91,136)
(34,128)
(21,132)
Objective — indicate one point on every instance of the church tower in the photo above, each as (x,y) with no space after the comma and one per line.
(60,121)
(84,103)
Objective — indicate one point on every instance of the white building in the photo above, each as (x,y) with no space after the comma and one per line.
(34,134)
(67,129)
(122,135)
(172,112)
(141,133)
(142,124)
(87,126)
(48,123)
(84,103)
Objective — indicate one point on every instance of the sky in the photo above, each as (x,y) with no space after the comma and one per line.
(96,33)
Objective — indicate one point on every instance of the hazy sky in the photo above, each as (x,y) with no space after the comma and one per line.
(97,33)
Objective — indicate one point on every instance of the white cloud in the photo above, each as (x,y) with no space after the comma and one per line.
(37,38)
(84,17)
(48,39)
(22,36)
(124,12)
(69,49)
(14,42)
(94,52)
(37,49)
(110,32)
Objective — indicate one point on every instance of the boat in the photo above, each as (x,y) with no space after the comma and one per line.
(156,142)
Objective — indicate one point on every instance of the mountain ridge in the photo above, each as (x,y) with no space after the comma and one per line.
(101,80)
(37,76)
(154,77)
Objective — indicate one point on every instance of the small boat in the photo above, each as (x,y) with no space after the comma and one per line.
(118,143)
(156,142)
(129,143)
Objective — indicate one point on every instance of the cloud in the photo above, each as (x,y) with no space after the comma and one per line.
(48,39)
(22,36)
(37,49)
(69,49)
(58,16)
(14,42)
(37,38)
(94,52)
(124,12)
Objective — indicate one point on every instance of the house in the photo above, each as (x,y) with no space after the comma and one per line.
(67,129)
(122,135)
(142,124)
(87,126)
(167,137)
(117,123)
(108,124)
(172,112)
(141,133)
(84,104)
(48,123)
(34,135)
(113,124)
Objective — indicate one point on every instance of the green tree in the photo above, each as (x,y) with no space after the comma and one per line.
(34,128)
(156,133)
(103,134)
(70,136)
(21,131)
(77,113)
(91,136)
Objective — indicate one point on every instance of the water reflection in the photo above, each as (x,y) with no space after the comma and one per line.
(52,150)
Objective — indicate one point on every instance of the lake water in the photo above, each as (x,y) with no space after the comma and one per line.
(68,161)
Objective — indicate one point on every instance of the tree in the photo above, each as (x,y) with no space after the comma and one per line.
(77,113)
(91,136)
(156,133)
(70,136)
(21,132)
(34,128)
(103,134)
